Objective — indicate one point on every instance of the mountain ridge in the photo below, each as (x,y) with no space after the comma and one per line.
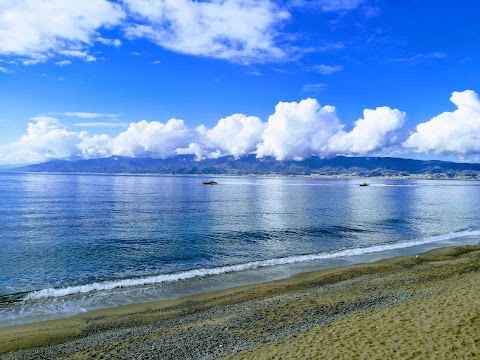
(250,165)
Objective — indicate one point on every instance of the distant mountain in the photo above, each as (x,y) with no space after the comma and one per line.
(228,165)
(248,165)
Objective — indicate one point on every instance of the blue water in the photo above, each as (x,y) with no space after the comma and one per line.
(73,243)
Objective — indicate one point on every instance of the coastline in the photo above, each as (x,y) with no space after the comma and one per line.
(346,176)
(404,307)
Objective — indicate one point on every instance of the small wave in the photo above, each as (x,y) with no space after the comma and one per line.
(12,298)
(197,273)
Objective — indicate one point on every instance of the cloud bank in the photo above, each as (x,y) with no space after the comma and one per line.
(293,131)
(296,130)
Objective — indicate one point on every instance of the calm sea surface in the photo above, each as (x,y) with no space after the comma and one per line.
(73,243)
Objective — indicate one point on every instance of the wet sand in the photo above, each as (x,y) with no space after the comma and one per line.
(416,307)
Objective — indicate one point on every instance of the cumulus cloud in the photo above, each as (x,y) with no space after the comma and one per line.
(97,146)
(197,150)
(37,30)
(299,130)
(370,133)
(237,135)
(456,132)
(236,30)
(296,130)
(152,139)
(45,139)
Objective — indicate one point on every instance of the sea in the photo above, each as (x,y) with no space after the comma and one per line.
(72,243)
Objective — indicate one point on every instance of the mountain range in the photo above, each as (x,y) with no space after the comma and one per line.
(250,165)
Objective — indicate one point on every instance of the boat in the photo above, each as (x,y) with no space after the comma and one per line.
(211,182)
(363,184)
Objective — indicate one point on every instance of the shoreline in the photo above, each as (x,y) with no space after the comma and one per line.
(211,280)
(346,176)
(258,321)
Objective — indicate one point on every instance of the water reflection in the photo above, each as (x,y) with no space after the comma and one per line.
(389,207)
(70,229)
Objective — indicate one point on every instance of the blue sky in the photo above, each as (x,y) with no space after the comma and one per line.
(290,78)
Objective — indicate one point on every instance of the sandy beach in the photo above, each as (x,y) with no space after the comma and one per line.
(416,307)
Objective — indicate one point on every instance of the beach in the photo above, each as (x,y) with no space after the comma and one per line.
(423,306)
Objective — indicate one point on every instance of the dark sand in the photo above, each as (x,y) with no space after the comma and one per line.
(416,307)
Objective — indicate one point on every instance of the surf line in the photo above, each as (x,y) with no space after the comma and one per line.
(203,272)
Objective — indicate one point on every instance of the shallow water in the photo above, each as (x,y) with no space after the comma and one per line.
(72,243)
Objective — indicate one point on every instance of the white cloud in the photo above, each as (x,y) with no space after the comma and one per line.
(97,146)
(37,30)
(296,130)
(87,115)
(63,62)
(332,47)
(192,149)
(236,135)
(456,132)
(327,69)
(313,87)
(5,70)
(329,5)
(35,59)
(299,130)
(79,54)
(422,57)
(109,42)
(370,133)
(236,30)
(240,31)
(153,139)
(46,139)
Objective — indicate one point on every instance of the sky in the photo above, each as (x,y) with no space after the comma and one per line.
(283,78)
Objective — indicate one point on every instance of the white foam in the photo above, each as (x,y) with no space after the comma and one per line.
(197,273)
